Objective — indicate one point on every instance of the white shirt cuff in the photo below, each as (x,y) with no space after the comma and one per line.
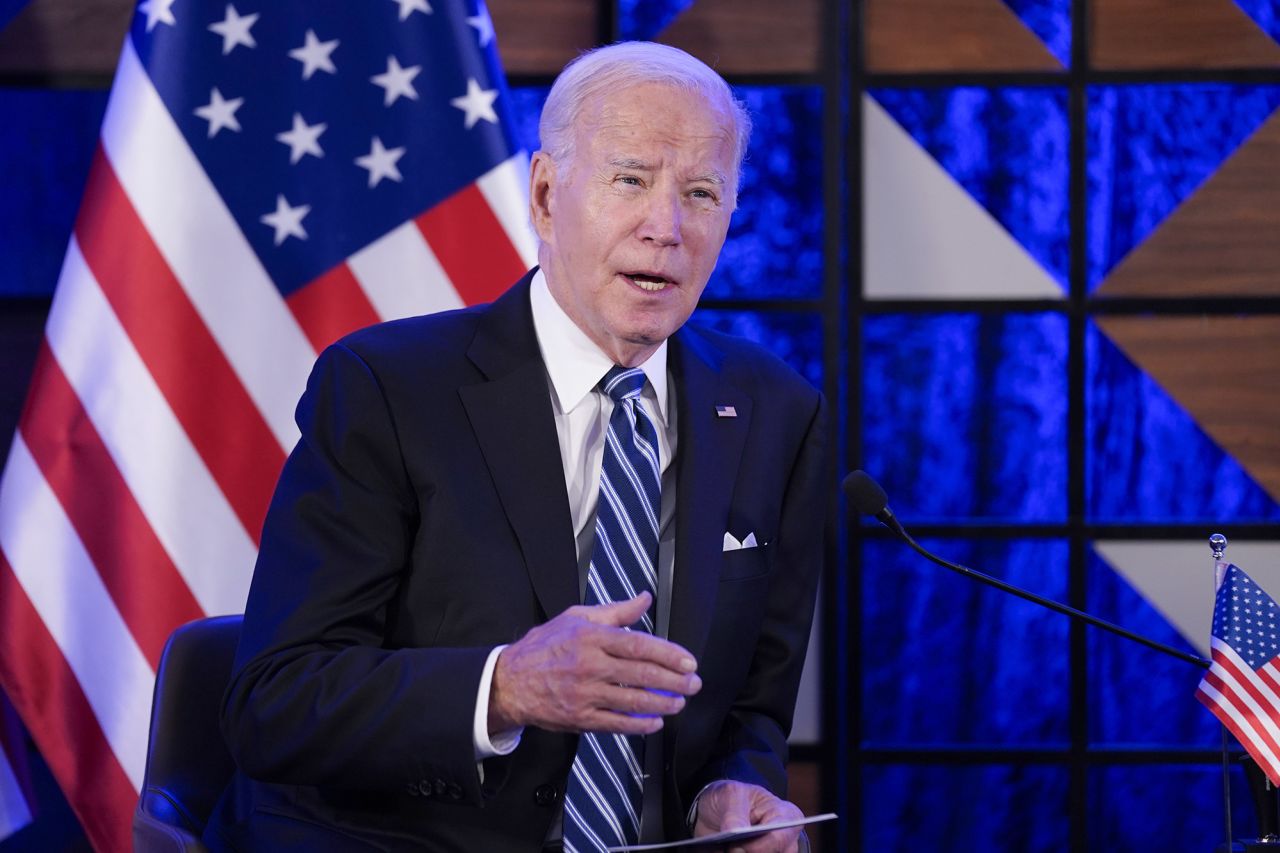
(503,743)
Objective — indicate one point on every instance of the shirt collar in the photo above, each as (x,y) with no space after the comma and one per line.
(574,362)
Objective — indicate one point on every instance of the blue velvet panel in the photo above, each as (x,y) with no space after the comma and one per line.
(1138,696)
(1172,808)
(644,20)
(964,416)
(988,808)
(1265,12)
(46,144)
(774,247)
(795,338)
(1147,460)
(526,107)
(1008,148)
(1051,21)
(1149,147)
(948,660)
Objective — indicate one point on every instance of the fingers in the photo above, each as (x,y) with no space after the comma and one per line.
(582,671)
(620,614)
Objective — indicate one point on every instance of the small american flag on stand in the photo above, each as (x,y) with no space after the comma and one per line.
(1242,687)
(271,174)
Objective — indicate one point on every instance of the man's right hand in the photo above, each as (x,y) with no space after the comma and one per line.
(583,671)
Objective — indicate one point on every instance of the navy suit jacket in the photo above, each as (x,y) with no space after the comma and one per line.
(423,519)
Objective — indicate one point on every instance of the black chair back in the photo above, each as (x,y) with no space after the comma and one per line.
(188,764)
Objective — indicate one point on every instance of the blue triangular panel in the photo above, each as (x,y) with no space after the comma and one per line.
(1265,13)
(1149,147)
(1148,460)
(1051,21)
(646,19)
(1163,710)
(1007,147)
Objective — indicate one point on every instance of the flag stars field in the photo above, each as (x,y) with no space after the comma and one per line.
(408,7)
(302,139)
(157,12)
(397,81)
(483,25)
(477,103)
(381,163)
(234,29)
(220,112)
(287,220)
(315,55)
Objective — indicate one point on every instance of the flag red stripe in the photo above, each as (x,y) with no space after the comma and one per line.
(1256,733)
(190,369)
(472,246)
(61,721)
(145,585)
(1267,676)
(331,306)
(1220,711)
(1245,681)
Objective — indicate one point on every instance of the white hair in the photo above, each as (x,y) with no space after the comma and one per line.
(631,63)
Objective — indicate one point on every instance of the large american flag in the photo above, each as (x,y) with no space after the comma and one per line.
(1242,687)
(270,175)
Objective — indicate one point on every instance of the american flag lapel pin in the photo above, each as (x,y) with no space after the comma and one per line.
(726,412)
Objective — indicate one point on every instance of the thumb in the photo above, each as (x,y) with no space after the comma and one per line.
(620,614)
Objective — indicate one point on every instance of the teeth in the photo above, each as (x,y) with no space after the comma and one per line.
(648,283)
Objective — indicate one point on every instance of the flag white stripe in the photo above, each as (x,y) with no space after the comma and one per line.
(506,188)
(401,275)
(178,496)
(1228,707)
(66,591)
(1268,695)
(205,248)
(1241,675)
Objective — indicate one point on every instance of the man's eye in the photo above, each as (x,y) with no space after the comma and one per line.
(631,180)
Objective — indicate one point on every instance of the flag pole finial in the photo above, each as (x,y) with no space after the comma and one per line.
(1218,543)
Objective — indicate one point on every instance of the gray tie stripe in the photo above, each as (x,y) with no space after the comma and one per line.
(603,800)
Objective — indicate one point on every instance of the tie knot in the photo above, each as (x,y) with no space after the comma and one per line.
(622,383)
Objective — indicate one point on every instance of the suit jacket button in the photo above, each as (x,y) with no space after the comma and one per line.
(546,795)
(441,788)
(412,789)
(455,791)
(424,788)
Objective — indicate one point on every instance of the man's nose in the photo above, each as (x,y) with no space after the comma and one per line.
(662,220)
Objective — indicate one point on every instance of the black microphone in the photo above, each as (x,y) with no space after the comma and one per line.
(868,498)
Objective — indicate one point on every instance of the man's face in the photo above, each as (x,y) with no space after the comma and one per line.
(631,227)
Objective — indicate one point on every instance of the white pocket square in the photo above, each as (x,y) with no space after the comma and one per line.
(731,542)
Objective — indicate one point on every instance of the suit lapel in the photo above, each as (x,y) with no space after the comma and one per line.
(708,455)
(515,427)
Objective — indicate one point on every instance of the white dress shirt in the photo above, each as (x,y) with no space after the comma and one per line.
(575,366)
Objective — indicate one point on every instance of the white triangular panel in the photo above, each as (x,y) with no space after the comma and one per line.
(1176,578)
(924,236)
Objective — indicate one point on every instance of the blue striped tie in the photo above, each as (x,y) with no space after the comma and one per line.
(606,786)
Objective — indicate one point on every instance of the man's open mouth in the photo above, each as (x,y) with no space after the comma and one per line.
(644,281)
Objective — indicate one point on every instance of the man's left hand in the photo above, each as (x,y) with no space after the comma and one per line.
(737,805)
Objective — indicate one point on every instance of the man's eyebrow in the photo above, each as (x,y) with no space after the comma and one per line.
(710,178)
(630,163)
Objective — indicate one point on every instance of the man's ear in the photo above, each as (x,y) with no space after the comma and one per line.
(542,179)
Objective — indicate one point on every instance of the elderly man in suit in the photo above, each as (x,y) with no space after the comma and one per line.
(540,574)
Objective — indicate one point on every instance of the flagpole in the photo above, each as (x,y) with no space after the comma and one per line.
(1218,543)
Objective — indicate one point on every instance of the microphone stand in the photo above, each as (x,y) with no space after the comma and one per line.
(886,517)
(869,498)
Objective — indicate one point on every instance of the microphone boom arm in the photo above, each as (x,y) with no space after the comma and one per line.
(888,520)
